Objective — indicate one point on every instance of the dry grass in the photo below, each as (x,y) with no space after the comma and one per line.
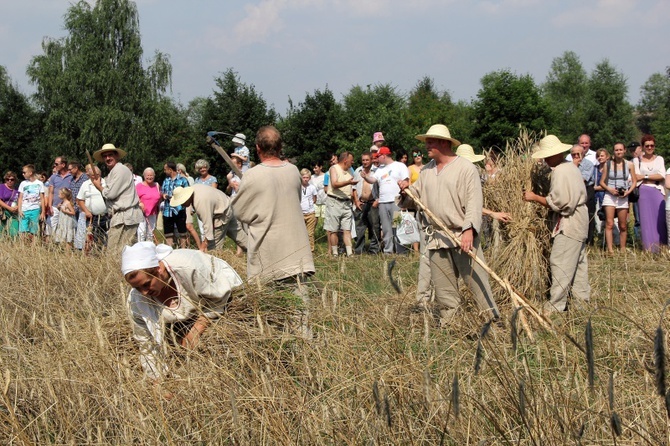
(526,238)
(376,374)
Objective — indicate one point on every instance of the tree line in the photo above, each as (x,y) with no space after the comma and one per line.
(95,85)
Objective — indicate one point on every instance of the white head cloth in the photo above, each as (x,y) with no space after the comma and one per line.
(142,255)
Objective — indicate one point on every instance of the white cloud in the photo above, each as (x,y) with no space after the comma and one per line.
(495,7)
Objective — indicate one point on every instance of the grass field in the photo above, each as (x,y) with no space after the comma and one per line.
(377,372)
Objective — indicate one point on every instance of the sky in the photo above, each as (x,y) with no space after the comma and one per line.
(290,48)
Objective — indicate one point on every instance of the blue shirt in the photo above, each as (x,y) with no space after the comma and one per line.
(586,169)
(168,186)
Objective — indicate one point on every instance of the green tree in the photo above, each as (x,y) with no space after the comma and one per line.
(427,106)
(372,109)
(92,87)
(314,128)
(653,110)
(18,128)
(609,116)
(566,94)
(234,108)
(505,102)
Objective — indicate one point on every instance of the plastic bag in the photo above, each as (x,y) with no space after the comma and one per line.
(408,229)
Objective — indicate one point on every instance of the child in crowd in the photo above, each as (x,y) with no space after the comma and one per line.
(307,201)
(31,203)
(66,223)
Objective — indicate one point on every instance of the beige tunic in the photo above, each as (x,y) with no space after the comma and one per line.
(121,197)
(268,201)
(204,285)
(212,206)
(454,195)
(567,200)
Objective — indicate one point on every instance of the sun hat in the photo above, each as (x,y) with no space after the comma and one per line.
(108,148)
(240,139)
(142,255)
(438,131)
(466,151)
(550,145)
(180,195)
(384,151)
(377,137)
(237,155)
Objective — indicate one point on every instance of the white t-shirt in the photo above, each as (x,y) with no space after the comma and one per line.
(31,191)
(388,176)
(92,197)
(307,194)
(317,181)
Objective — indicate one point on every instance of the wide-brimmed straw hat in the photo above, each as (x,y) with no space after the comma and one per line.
(550,145)
(108,148)
(438,131)
(466,151)
(180,195)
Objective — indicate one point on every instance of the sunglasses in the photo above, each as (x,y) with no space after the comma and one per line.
(578,155)
(417,154)
(650,145)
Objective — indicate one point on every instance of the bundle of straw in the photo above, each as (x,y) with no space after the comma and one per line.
(522,252)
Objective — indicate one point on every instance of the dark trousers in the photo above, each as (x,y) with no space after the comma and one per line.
(591,207)
(367,219)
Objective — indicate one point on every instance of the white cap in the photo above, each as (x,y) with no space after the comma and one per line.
(240,139)
(142,255)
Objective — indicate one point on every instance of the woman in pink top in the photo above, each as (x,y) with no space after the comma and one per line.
(149,194)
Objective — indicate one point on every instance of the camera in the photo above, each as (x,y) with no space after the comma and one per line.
(621,191)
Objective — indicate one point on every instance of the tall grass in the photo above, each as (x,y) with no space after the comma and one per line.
(376,373)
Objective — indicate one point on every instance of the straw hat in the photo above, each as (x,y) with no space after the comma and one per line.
(180,195)
(108,148)
(438,131)
(466,151)
(550,145)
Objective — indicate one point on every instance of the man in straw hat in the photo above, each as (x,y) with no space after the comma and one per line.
(567,201)
(121,197)
(450,187)
(176,293)
(214,209)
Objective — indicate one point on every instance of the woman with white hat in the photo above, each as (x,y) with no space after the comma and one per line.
(174,293)
(570,218)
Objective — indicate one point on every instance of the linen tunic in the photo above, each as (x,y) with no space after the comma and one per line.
(454,195)
(204,284)
(268,201)
(121,196)
(567,200)
(212,207)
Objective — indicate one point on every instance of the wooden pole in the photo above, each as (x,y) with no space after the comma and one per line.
(225,156)
(517,299)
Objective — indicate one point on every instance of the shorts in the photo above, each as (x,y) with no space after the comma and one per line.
(175,221)
(320,210)
(338,215)
(30,221)
(617,202)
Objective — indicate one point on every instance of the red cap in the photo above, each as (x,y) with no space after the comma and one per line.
(384,151)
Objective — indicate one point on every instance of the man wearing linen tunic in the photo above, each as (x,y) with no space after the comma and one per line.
(268,202)
(567,200)
(451,188)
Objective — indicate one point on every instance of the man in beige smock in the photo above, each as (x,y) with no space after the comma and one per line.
(570,221)
(121,198)
(451,188)
(214,211)
(268,202)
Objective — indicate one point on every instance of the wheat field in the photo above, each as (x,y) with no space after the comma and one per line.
(377,371)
